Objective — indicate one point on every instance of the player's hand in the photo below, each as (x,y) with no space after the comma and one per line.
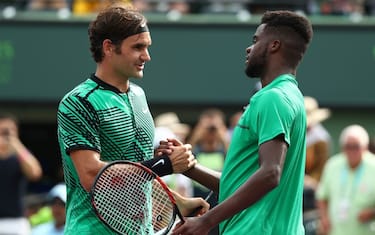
(194,206)
(180,154)
(192,226)
(164,147)
(182,158)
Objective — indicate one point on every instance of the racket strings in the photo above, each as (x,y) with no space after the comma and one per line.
(162,210)
(121,198)
(131,201)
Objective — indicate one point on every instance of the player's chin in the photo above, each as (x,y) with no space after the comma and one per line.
(138,75)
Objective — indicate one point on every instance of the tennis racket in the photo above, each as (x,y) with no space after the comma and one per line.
(131,199)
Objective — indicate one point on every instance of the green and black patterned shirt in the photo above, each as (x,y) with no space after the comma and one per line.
(97,116)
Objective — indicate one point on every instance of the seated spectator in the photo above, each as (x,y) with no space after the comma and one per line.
(342,7)
(83,7)
(345,192)
(48,4)
(36,210)
(318,139)
(57,200)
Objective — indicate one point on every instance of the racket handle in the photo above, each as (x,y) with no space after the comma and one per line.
(196,210)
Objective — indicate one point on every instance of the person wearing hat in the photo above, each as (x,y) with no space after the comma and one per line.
(171,121)
(318,139)
(318,142)
(56,199)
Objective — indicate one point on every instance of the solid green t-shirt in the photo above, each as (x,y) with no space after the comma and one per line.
(97,116)
(277,109)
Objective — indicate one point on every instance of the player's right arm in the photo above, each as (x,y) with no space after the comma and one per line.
(87,164)
(205,176)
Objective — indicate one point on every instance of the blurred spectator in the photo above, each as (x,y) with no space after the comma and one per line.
(223,7)
(372,145)
(209,140)
(311,218)
(346,192)
(17,4)
(370,7)
(84,7)
(17,165)
(318,139)
(56,201)
(48,4)
(318,142)
(168,125)
(233,120)
(36,210)
(342,7)
(142,5)
(180,6)
(171,121)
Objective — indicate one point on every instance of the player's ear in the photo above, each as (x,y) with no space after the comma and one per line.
(107,47)
(275,45)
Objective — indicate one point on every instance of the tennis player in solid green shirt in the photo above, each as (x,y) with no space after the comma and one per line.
(262,180)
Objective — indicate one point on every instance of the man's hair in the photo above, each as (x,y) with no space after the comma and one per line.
(357,132)
(294,30)
(292,20)
(8,116)
(115,23)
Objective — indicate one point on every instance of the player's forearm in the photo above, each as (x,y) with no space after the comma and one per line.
(205,176)
(245,196)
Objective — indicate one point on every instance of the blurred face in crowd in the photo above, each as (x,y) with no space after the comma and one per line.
(58,211)
(7,128)
(353,151)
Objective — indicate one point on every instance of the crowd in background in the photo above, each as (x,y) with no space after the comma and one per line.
(310,7)
(339,197)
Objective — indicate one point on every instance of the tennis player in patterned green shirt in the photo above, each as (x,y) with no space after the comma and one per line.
(262,179)
(106,118)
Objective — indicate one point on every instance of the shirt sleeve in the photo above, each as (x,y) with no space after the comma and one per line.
(78,124)
(274,117)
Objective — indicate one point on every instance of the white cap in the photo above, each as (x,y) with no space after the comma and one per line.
(58,191)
